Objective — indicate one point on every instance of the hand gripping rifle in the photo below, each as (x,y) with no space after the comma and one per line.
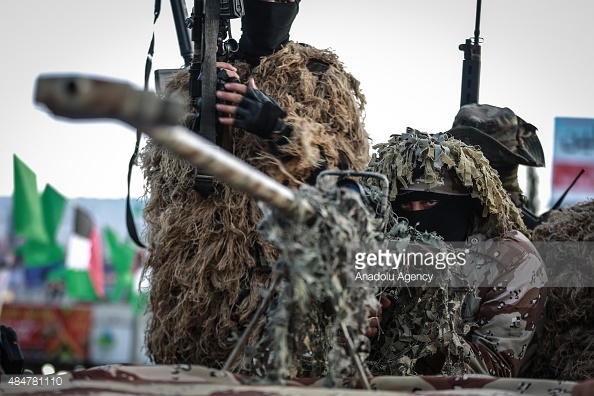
(471,67)
(210,24)
(78,97)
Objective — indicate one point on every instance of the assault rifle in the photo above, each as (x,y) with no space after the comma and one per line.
(210,23)
(471,67)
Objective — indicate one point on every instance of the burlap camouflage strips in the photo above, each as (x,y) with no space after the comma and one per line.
(119,380)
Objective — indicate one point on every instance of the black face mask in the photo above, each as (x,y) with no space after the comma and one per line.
(265,28)
(450,218)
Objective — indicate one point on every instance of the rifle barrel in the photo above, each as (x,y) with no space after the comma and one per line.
(562,197)
(218,162)
(477,22)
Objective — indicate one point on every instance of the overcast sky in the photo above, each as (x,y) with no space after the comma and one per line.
(537,59)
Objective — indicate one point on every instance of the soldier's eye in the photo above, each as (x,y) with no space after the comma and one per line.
(431,203)
(407,206)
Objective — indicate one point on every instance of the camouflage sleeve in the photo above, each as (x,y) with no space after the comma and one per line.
(506,308)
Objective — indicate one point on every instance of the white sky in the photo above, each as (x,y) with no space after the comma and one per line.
(537,59)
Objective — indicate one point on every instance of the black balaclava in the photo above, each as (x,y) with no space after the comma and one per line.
(265,28)
(450,218)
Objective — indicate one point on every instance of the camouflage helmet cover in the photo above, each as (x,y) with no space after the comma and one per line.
(503,137)
(434,154)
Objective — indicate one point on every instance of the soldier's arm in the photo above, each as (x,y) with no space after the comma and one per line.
(506,311)
(509,313)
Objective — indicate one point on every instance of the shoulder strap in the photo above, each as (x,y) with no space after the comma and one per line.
(147,71)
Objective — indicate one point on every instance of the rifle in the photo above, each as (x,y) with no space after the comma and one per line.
(183,37)
(471,67)
(210,23)
(78,97)
(557,205)
(87,98)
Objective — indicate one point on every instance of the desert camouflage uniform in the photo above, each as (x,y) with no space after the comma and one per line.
(507,305)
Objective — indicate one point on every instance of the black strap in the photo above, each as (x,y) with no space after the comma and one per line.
(147,71)
(212,13)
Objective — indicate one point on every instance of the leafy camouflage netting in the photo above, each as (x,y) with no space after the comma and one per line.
(404,153)
(566,349)
(206,258)
(418,313)
(302,332)
(434,311)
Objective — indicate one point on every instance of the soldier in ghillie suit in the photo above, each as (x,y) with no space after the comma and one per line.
(566,349)
(507,141)
(206,259)
(447,188)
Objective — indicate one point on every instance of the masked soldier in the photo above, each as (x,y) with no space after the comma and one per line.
(206,259)
(507,141)
(446,188)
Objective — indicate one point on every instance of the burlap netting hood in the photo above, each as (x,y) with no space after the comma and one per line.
(432,153)
(206,260)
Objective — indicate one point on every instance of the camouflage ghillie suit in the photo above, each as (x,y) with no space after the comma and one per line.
(315,305)
(507,141)
(206,259)
(489,329)
(566,349)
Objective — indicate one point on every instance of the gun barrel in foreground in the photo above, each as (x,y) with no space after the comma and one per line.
(78,97)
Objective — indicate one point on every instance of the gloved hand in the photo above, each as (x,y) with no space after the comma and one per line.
(255,112)
(225,76)
(258,113)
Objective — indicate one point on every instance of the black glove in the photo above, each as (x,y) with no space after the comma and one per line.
(222,78)
(259,114)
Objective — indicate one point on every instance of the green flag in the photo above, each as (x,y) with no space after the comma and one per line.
(27,217)
(54,205)
(122,257)
(129,282)
(79,286)
(36,220)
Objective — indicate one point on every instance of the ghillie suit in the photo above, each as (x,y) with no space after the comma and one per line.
(566,349)
(466,332)
(206,259)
